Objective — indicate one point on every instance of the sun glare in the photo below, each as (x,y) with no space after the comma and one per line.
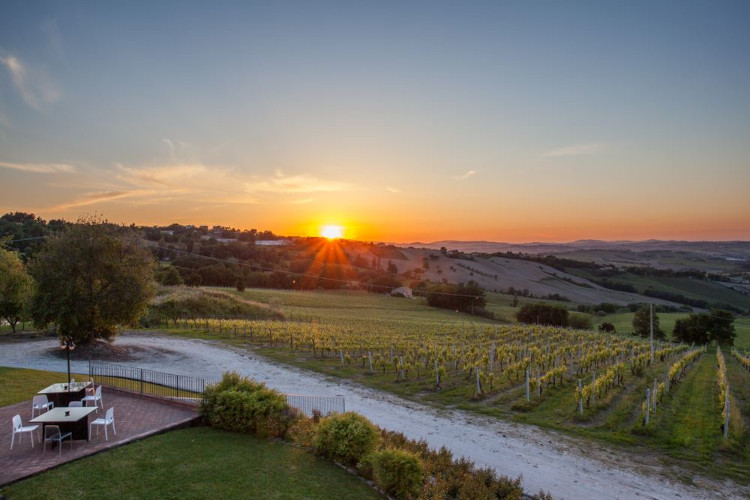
(332,232)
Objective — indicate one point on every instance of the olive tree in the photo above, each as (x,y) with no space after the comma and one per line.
(90,279)
(16,287)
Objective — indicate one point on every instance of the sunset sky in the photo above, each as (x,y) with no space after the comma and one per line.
(401,121)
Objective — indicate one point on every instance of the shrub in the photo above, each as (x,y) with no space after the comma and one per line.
(543,314)
(398,472)
(346,437)
(242,405)
(579,322)
(303,431)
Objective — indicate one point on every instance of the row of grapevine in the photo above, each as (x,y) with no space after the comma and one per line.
(675,371)
(721,378)
(743,359)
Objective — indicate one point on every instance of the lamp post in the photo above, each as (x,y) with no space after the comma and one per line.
(67,344)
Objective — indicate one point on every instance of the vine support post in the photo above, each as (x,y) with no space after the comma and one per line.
(726,415)
(369,359)
(527,386)
(651,309)
(648,404)
(580,401)
(593,389)
(538,382)
(437,374)
(341,356)
(479,386)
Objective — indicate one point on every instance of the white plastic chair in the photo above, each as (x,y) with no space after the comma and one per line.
(52,434)
(18,428)
(109,419)
(40,402)
(74,404)
(96,397)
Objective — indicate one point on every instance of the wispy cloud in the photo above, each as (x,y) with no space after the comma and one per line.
(465,176)
(301,183)
(50,28)
(36,88)
(92,198)
(40,168)
(574,150)
(392,189)
(175,176)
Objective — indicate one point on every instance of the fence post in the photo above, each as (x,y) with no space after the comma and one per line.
(726,415)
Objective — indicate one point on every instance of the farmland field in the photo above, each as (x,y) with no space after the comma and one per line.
(452,360)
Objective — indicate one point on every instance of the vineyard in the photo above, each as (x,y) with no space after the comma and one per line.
(605,386)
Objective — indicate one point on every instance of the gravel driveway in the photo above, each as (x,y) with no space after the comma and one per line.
(574,469)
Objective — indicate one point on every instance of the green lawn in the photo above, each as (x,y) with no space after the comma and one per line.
(19,385)
(199,462)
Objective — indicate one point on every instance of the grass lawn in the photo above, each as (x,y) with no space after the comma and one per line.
(19,385)
(200,462)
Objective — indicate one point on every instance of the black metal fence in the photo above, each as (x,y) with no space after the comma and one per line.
(153,383)
(190,389)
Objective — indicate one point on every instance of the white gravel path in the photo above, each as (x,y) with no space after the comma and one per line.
(566,467)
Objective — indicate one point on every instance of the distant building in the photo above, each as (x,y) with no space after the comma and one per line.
(273,243)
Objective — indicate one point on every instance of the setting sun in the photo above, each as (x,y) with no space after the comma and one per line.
(332,232)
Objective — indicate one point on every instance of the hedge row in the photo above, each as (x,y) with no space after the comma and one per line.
(402,467)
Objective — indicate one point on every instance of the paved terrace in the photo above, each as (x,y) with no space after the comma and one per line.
(135,417)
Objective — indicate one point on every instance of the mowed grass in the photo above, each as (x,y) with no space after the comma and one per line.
(200,462)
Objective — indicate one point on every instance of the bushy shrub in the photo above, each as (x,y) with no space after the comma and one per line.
(398,472)
(579,322)
(242,405)
(302,431)
(346,438)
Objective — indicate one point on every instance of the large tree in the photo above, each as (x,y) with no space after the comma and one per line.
(642,323)
(90,279)
(702,328)
(16,287)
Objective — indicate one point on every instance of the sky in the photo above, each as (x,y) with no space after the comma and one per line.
(400,121)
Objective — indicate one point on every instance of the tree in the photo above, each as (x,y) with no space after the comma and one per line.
(16,287)
(392,267)
(543,314)
(90,279)
(722,327)
(607,327)
(642,323)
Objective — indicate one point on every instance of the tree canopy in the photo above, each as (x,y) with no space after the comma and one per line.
(543,314)
(703,328)
(16,287)
(91,278)
(642,323)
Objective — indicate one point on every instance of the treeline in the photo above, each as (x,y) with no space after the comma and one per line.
(468,298)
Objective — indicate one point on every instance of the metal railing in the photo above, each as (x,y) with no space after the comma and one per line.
(152,383)
(323,404)
(190,389)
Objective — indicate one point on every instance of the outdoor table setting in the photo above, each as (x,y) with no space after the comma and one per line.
(74,420)
(62,394)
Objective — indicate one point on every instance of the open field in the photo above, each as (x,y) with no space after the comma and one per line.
(196,463)
(335,333)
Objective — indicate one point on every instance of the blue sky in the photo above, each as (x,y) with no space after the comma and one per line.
(403,121)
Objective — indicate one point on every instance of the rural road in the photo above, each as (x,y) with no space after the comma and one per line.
(564,466)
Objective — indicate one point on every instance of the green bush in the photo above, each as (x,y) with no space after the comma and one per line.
(346,437)
(242,405)
(398,472)
(580,322)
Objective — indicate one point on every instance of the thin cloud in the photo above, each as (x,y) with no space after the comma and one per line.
(40,168)
(92,198)
(282,184)
(50,28)
(392,189)
(465,176)
(574,150)
(165,175)
(33,84)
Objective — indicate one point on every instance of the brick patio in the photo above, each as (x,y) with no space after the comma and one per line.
(135,417)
